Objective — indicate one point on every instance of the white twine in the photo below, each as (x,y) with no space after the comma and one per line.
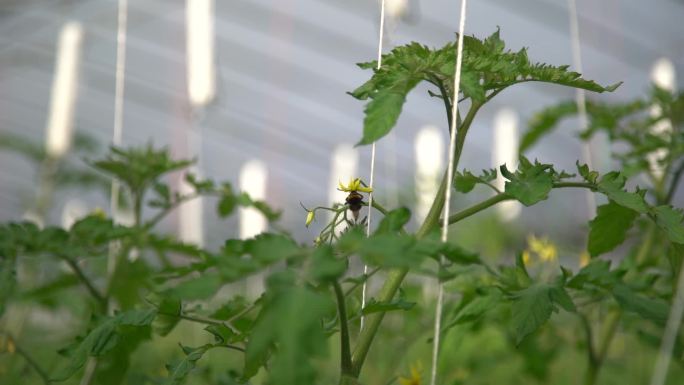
(364,288)
(581,99)
(119,93)
(120,69)
(447,193)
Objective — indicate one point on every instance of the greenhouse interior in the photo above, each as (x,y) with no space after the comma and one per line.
(359,192)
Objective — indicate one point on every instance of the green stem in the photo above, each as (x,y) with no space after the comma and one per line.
(597,355)
(396,276)
(478,207)
(30,361)
(345,349)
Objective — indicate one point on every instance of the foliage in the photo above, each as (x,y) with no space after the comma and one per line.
(129,289)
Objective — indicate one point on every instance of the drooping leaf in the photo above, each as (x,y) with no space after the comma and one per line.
(609,228)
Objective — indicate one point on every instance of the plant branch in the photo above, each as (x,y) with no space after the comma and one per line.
(478,207)
(395,277)
(29,360)
(102,301)
(345,350)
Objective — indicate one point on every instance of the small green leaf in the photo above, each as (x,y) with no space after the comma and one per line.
(529,185)
(168,314)
(179,371)
(465,181)
(394,221)
(609,228)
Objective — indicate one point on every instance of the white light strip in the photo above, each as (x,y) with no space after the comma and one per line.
(364,288)
(64,90)
(447,193)
(505,151)
(429,152)
(253,179)
(200,52)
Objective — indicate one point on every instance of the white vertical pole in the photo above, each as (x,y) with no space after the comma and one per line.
(505,151)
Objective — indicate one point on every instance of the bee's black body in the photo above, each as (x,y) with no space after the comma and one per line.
(355,201)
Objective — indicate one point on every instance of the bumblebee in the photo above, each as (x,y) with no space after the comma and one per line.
(354,202)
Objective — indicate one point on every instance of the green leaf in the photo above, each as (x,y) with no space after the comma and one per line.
(226,205)
(169,311)
(394,221)
(8,280)
(475,308)
(325,266)
(180,370)
(533,306)
(465,181)
(202,287)
(596,274)
(612,185)
(529,185)
(382,114)
(609,228)
(104,338)
(670,221)
(652,309)
(291,319)
(374,306)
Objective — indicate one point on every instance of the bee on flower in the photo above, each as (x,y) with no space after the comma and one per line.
(355,200)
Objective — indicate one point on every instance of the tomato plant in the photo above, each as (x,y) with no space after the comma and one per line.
(119,292)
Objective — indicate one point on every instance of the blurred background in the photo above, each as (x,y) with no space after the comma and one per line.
(256,91)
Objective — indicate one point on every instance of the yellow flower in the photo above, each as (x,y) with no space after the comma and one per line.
(414,378)
(543,247)
(354,185)
(310,216)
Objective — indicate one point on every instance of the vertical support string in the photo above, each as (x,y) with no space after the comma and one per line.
(447,193)
(364,289)
(117,135)
(580,98)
